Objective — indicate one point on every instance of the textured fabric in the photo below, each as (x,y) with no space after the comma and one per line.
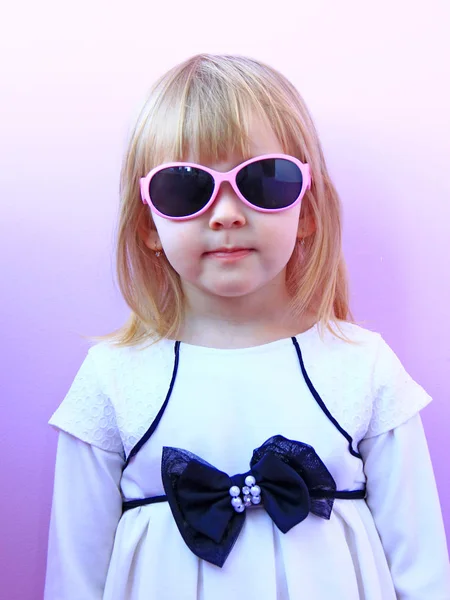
(115,395)
(224,404)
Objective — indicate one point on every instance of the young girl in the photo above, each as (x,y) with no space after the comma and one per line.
(239,437)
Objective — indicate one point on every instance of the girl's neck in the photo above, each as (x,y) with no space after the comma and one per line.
(240,322)
(222,334)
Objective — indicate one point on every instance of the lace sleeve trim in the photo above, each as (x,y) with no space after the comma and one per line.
(396,396)
(87,412)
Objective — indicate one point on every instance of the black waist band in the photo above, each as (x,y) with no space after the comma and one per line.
(142,502)
(352,495)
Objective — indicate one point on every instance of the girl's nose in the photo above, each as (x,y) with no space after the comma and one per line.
(227,210)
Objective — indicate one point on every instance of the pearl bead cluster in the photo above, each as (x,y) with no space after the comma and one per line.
(251,495)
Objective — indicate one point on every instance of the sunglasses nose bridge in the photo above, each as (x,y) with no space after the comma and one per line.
(226,210)
(228,177)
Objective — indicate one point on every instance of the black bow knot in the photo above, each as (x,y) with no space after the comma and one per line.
(291,476)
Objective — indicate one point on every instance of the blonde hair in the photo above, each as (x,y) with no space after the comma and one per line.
(203,107)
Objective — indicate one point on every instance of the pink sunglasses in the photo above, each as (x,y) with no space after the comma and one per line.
(268,183)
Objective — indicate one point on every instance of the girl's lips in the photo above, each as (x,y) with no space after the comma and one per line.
(230,255)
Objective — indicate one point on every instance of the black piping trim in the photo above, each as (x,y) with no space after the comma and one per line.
(321,403)
(158,417)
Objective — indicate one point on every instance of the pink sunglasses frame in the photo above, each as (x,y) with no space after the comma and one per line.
(219,177)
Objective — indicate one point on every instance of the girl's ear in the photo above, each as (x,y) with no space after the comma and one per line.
(149,235)
(306,227)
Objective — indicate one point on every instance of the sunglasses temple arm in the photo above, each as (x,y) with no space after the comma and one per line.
(309,177)
(142,182)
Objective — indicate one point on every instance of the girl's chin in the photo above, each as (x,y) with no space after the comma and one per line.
(224,286)
(229,292)
(235,289)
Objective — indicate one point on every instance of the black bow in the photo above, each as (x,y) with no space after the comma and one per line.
(293,482)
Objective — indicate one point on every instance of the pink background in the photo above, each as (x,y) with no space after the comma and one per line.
(73,77)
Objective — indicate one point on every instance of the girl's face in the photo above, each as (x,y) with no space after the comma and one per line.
(230,250)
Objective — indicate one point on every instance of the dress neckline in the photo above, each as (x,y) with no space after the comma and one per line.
(266,347)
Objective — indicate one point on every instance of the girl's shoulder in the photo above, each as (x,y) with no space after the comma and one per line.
(351,342)
(108,355)
(113,368)
(369,378)
(347,331)
(112,392)
(344,341)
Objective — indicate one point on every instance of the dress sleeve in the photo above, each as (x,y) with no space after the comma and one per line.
(403,499)
(87,412)
(396,396)
(86,509)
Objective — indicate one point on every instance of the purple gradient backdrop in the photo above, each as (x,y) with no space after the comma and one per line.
(72,82)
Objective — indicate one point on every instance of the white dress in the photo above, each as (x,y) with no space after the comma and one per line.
(223,405)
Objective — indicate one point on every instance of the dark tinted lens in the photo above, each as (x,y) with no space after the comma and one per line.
(271,183)
(181,191)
